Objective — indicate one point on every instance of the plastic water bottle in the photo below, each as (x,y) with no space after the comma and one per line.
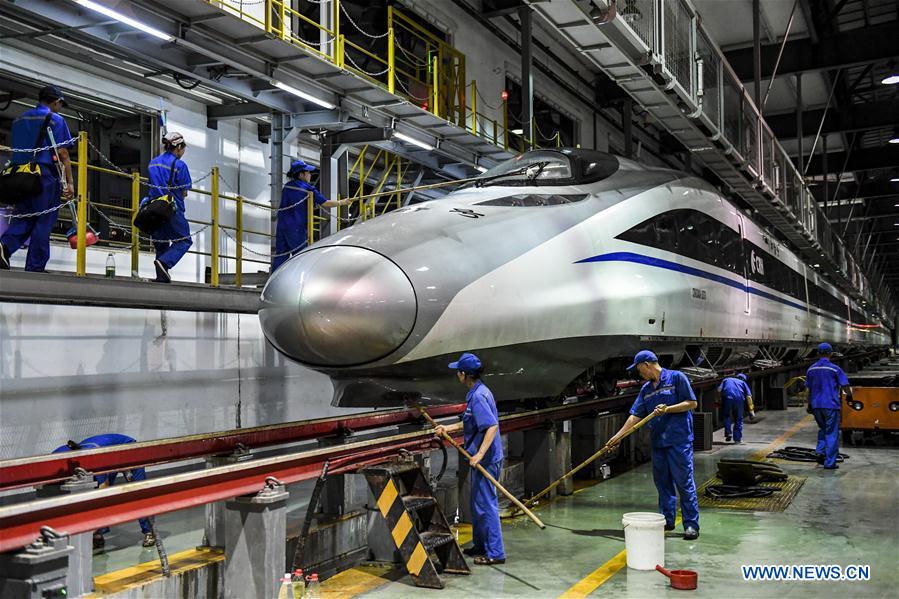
(312,588)
(110,266)
(299,584)
(286,590)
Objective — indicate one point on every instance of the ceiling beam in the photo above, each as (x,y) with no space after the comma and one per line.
(858,46)
(854,117)
(859,160)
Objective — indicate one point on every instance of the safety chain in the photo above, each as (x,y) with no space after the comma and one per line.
(409,93)
(358,68)
(147,184)
(43,212)
(362,31)
(35,150)
(115,225)
(263,254)
(484,100)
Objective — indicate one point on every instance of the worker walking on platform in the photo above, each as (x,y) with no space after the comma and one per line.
(733,393)
(827,387)
(291,231)
(109,479)
(169,176)
(480,430)
(668,393)
(29,132)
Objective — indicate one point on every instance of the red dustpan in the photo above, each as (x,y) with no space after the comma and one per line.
(684,580)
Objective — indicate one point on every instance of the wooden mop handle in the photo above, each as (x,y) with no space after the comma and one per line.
(605,448)
(486,474)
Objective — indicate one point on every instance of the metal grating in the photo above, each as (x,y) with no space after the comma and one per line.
(677,35)
(776,502)
(640,17)
(711,87)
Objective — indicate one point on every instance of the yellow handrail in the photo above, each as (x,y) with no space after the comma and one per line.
(214,276)
(81,255)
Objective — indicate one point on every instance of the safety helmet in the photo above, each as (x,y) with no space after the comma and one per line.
(173,139)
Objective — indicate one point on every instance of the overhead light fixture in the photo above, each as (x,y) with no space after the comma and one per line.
(895,138)
(517,131)
(890,80)
(301,94)
(112,14)
(480,168)
(413,141)
(895,180)
(815,265)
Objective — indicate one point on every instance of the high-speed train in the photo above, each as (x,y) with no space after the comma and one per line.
(555,267)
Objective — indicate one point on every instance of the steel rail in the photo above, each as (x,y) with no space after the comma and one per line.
(43,469)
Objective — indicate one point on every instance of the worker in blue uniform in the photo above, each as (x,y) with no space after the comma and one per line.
(734,393)
(669,395)
(481,439)
(293,217)
(169,175)
(109,479)
(827,386)
(30,126)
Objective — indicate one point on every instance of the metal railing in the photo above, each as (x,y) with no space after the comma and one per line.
(680,49)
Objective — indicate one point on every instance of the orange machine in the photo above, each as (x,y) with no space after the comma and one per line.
(873,408)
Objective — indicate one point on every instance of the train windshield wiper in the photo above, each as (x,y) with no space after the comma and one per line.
(524,170)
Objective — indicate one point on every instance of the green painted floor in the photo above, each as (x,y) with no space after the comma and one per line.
(849,516)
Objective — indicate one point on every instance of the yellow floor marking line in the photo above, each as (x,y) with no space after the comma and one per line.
(761,453)
(142,574)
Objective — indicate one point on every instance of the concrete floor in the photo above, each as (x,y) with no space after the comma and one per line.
(849,516)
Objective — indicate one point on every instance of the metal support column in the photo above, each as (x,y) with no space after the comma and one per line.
(546,458)
(528,125)
(799,119)
(276,168)
(214,530)
(80,573)
(334,182)
(339,494)
(256,542)
(757,51)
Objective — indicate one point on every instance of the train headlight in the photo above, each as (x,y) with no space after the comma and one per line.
(857,405)
(894,406)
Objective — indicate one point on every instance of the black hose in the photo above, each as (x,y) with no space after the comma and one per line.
(443,465)
(734,491)
(801,454)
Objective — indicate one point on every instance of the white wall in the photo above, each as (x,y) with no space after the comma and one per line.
(70,372)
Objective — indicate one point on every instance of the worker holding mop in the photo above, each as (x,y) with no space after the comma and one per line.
(668,393)
(480,430)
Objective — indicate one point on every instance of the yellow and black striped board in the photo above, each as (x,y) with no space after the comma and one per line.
(418,527)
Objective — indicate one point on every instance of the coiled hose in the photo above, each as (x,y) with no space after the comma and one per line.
(734,491)
(801,454)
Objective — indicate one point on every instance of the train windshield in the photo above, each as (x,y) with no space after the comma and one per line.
(565,166)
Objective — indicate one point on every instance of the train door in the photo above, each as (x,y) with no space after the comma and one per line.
(742,227)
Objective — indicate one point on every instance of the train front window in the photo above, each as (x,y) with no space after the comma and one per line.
(565,166)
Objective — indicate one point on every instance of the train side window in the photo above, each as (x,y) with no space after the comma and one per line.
(731,250)
(534,200)
(658,232)
(695,236)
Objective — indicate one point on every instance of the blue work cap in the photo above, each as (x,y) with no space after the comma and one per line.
(467,363)
(742,377)
(51,93)
(299,166)
(825,348)
(643,356)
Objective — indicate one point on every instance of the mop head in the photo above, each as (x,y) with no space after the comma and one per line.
(90,237)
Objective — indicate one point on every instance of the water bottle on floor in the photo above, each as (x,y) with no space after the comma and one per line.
(312,587)
(110,266)
(286,590)
(299,584)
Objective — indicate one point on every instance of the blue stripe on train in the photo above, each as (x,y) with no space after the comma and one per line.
(697,272)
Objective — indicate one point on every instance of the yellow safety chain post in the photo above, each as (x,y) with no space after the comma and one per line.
(338,39)
(214,276)
(310,220)
(81,252)
(238,250)
(474,107)
(436,108)
(268,16)
(135,238)
(391,57)
(282,18)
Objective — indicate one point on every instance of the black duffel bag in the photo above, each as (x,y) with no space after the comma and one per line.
(154,213)
(19,182)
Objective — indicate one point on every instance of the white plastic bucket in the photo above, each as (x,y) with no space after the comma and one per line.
(644,540)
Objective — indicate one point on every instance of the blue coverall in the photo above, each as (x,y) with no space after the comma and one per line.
(160,172)
(672,445)
(24,132)
(133,475)
(824,379)
(291,229)
(480,414)
(733,395)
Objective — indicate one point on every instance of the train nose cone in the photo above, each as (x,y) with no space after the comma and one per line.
(338,306)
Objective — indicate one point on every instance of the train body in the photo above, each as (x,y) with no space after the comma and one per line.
(557,265)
